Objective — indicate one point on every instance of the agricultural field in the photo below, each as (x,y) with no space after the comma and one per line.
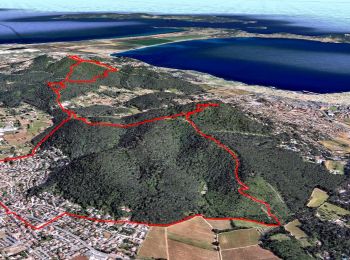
(335,167)
(248,253)
(220,224)
(155,245)
(318,197)
(340,144)
(239,238)
(331,212)
(178,250)
(196,229)
(194,239)
(294,229)
(191,239)
(245,224)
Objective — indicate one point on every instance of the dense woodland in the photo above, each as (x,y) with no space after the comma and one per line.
(334,238)
(327,240)
(290,249)
(29,85)
(159,170)
(165,171)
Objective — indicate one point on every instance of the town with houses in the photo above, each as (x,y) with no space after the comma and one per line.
(68,238)
(25,228)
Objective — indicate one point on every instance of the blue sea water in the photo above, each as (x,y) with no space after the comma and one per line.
(20,26)
(282,63)
(330,15)
(285,64)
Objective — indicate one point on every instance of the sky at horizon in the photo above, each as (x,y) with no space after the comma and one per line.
(268,7)
(337,11)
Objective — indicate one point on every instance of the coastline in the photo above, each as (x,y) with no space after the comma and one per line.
(214,84)
(108,47)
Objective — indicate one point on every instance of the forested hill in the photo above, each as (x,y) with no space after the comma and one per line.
(162,171)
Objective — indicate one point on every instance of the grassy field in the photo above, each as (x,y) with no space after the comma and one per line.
(248,253)
(190,241)
(30,122)
(328,211)
(318,197)
(20,148)
(178,250)
(86,71)
(340,144)
(261,189)
(294,230)
(335,167)
(280,237)
(245,224)
(154,245)
(39,125)
(239,238)
(195,229)
(220,224)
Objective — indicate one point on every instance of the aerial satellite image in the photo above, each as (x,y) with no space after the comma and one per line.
(179,130)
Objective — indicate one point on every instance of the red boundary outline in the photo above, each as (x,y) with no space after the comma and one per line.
(58,86)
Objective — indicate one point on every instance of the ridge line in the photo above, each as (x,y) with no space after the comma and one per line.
(72,115)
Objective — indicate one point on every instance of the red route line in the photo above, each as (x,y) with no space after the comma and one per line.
(58,86)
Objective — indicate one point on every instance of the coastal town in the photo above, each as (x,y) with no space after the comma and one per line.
(46,226)
(321,123)
(67,237)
